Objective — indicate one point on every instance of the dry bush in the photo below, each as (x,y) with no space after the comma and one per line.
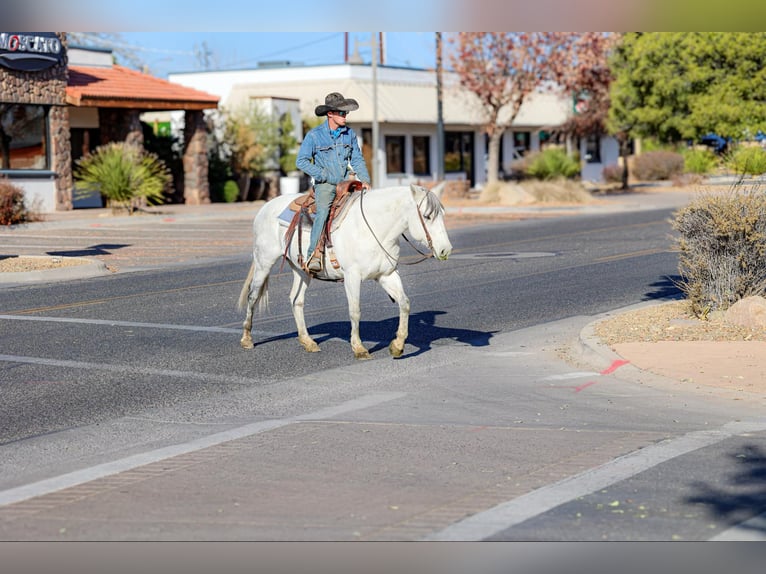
(557,191)
(13,208)
(722,247)
(658,165)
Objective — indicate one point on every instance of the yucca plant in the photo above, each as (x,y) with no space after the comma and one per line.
(124,173)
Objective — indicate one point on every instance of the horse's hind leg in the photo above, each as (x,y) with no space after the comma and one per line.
(297,298)
(392,284)
(255,290)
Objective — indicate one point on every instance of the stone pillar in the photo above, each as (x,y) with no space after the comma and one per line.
(121,125)
(196,188)
(61,156)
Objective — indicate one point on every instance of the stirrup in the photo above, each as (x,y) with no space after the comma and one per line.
(314,264)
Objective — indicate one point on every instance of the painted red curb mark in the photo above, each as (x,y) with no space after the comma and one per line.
(613,367)
(95,225)
(584,386)
(169,219)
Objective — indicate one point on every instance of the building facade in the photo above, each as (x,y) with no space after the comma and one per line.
(404,101)
(58,103)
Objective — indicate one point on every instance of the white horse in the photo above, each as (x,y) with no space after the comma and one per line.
(366,246)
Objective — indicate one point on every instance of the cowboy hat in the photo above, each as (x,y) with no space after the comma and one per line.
(335,102)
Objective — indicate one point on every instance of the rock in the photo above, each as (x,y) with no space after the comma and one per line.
(749,312)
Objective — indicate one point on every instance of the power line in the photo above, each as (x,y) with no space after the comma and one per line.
(281,52)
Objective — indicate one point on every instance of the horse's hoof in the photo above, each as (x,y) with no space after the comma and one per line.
(311,347)
(246,343)
(362,355)
(394,350)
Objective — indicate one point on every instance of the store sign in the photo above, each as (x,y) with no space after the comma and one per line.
(30,52)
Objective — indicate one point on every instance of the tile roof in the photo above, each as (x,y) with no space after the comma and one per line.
(120,87)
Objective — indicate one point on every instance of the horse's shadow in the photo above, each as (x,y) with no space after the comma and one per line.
(423,333)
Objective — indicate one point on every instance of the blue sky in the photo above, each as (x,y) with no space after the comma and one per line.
(166,52)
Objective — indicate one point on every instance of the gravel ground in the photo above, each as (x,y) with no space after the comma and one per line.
(672,321)
(20,264)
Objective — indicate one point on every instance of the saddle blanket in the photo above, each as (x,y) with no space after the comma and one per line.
(287,214)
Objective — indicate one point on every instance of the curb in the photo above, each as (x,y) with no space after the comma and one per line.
(87,269)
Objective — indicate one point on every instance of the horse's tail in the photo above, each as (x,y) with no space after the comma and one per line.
(263,292)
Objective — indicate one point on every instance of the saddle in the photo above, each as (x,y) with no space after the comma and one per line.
(305,205)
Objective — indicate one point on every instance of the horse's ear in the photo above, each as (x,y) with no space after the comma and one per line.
(438,189)
(417,189)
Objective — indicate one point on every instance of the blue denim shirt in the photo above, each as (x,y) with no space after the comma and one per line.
(326,158)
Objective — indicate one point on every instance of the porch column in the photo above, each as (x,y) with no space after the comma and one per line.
(61,156)
(196,188)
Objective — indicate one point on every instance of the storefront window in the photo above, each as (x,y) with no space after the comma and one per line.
(421,164)
(23,137)
(395,154)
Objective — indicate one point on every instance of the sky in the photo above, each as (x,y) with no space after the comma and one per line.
(167,52)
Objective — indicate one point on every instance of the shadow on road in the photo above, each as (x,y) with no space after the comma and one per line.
(743,495)
(423,333)
(101,249)
(666,288)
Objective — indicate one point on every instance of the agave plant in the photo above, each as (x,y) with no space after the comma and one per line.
(124,173)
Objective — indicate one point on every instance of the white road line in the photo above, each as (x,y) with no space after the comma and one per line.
(753,530)
(490,522)
(576,375)
(209,377)
(110,323)
(78,477)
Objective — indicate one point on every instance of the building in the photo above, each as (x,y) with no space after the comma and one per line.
(407,117)
(57,103)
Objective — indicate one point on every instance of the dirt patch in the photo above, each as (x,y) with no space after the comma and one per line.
(23,263)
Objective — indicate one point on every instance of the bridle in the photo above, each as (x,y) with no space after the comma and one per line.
(422,222)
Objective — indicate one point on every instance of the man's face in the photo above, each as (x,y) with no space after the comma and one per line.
(337,118)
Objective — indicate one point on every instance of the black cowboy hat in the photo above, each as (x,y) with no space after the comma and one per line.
(335,102)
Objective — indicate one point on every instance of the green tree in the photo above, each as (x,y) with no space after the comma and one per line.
(287,144)
(680,85)
(252,137)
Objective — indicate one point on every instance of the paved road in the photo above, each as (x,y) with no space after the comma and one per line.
(520,436)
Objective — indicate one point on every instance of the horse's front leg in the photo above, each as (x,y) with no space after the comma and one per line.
(297,298)
(392,284)
(353,284)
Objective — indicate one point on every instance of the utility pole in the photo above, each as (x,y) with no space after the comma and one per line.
(375,135)
(439,112)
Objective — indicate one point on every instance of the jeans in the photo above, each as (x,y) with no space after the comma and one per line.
(324,194)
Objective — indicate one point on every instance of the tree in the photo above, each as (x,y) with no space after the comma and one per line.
(677,86)
(252,138)
(502,70)
(588,77)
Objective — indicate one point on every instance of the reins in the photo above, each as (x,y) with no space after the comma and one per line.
(422,222)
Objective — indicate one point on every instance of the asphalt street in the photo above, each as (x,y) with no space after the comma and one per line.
(129,414)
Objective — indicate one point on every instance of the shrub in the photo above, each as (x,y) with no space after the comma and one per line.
(658,165)
(13,208)
(230,191)
(722,245)
(746,160)
(553,163)
(123,173)
(557,191)
(612,173)
(700,161)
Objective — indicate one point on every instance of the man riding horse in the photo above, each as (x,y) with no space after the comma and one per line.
(329,154)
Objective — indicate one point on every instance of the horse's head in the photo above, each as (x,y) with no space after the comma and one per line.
(427,223)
